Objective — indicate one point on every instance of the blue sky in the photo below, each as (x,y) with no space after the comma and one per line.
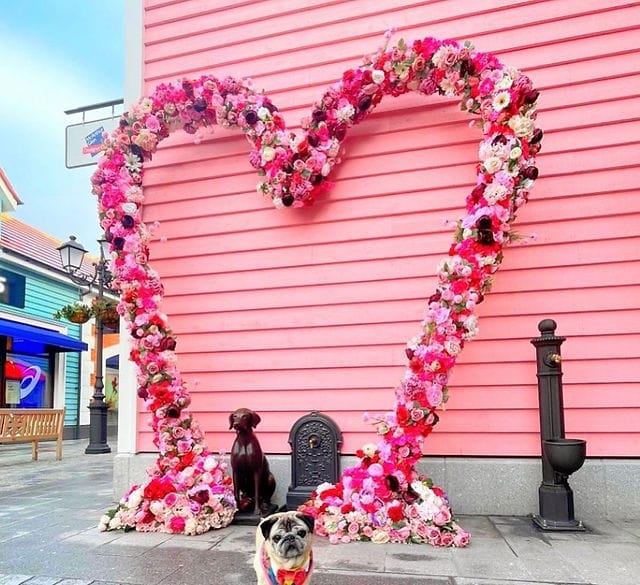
(57,55)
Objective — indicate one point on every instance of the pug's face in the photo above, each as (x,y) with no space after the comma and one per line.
(287,536)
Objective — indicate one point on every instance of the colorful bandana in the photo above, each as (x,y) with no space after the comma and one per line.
(285,576)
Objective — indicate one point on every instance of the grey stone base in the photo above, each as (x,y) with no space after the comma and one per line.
(82,431)
(487,486)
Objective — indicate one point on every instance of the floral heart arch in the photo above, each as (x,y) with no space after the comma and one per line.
(382,498)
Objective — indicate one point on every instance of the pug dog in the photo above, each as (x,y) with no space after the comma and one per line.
(283,549)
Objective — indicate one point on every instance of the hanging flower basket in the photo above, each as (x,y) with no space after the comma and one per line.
(76,313)
(106,310)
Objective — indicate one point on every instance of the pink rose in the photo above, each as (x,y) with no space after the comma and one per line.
(442,517)
(446,539)
(176,524)
(417,414)
(434,396)
(152,123)
(170,499)
(433,534)
(461,539)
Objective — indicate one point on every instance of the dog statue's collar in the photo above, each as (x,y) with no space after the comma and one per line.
(285,576)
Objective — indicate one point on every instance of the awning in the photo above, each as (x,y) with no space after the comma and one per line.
(33,340)
(113,362)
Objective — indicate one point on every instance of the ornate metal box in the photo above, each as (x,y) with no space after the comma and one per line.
(315,456)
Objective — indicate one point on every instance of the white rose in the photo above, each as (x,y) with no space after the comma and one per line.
(323,487)
(377,76)
(492,164)
(380,537)
(516,152)
(210,463)
(505,83)
(129,207)
(135,498)
(369,449)
(104,522)
(346,113)
(268,154)
(264,113)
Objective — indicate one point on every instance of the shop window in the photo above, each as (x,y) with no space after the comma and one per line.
(26,382)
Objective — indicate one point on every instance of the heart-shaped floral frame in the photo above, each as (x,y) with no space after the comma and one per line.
(382,498)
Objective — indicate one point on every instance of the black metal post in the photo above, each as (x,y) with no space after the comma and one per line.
(548,361)
(555,496)
(98,407)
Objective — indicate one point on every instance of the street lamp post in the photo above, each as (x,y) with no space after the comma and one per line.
(72,254)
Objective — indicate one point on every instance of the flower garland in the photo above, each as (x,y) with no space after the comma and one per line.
(382,498)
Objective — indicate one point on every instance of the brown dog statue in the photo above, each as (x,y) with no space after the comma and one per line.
(253,482)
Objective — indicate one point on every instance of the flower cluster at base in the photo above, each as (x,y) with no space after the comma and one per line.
(294,168)
(371,503)
(190,500)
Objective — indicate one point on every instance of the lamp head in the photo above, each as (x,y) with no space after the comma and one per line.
(71,254)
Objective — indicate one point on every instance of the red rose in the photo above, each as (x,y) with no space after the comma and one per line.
(396,514)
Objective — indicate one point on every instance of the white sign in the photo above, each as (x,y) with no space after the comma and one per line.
(13,391)
(84,141)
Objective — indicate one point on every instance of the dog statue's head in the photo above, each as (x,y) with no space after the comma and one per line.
(287,537)
(243,419)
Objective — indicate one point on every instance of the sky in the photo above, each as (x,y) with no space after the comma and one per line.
(56,55)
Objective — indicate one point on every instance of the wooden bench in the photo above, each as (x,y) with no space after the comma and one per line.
(30,425)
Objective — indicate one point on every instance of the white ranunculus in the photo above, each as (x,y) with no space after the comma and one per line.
(521,126)
(494,193)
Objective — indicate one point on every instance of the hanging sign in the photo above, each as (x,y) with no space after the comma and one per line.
(84,141)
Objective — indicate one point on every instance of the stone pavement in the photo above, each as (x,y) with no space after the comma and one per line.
(48,536)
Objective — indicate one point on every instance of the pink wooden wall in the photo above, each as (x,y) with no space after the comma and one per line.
(287,311)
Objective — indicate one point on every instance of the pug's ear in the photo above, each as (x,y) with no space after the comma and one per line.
(266,525)
(307,519)
(255,419)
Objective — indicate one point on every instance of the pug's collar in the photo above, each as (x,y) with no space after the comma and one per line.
(285,576)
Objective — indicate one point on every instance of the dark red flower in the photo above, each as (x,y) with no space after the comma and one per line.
(251,117)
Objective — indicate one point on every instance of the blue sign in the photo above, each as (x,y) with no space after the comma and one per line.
(12,288)
(94,142)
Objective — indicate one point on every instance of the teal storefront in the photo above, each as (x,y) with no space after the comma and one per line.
(39,357)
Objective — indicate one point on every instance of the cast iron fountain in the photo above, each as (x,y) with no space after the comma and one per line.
(561,456)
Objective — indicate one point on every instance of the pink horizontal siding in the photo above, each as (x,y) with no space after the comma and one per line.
(295,310)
